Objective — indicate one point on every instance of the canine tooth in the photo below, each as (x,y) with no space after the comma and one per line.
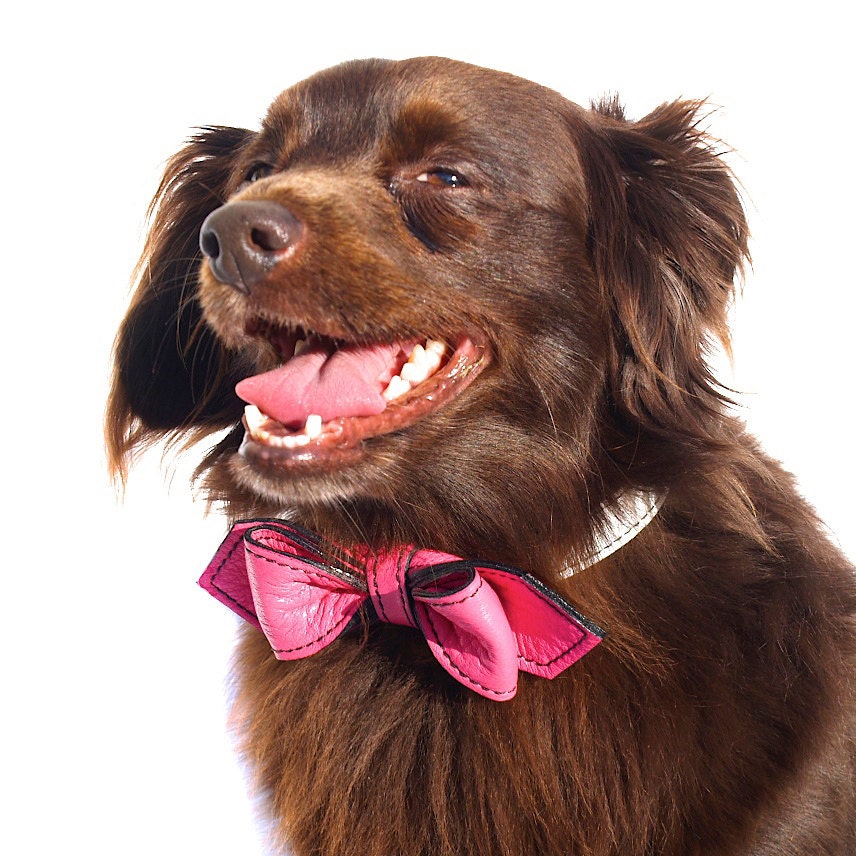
(255,418)
(300,346)
(438,347)
(312,429)
(397,387)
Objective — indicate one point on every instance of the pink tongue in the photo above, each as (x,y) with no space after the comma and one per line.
(348,382)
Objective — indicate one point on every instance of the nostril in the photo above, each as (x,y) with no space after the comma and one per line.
(209,243)
(274,235)
(266,240)
(245,240)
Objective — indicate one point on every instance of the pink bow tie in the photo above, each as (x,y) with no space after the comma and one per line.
(482,621)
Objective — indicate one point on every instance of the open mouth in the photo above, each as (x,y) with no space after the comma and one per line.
(327,396)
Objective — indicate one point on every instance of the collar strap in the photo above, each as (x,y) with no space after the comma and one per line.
(622,522)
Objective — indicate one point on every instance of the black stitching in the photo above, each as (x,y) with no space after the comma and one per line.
(322,572)
(472,681)
(463,599)
(632,531)
(403,568)
(427,615)
(219,570)
(549,601)
(311,574)
(332,630)
(371,578)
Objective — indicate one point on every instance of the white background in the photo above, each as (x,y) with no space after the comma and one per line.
(114,664)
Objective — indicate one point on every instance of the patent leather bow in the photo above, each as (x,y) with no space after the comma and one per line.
(482,621)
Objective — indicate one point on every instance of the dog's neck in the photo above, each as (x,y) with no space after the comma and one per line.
(622,522)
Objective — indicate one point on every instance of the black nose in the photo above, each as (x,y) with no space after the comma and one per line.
(244,241)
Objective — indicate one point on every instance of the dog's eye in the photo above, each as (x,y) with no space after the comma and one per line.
(257,172)
(442,178)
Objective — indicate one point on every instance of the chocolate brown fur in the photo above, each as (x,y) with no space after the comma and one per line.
(598,256)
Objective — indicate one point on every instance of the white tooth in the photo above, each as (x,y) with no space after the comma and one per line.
(300,346)
(292,441)
(431,361)
(439,348)
(414,373)
(312,429)
(255,418)
(422,363)
(397,387)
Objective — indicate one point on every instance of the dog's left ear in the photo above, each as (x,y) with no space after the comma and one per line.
(171,374)
(667,237)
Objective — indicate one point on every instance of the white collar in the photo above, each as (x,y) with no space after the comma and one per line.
(622,522)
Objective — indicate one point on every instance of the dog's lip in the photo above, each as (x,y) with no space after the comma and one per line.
(341,439)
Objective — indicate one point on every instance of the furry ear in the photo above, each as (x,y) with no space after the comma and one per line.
(667,236)
(170,373)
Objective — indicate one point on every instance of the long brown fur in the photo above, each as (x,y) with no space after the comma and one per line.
(598,255)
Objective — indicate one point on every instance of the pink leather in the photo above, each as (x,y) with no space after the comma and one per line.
(483,622)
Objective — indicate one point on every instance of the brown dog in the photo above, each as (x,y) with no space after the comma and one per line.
(570,267)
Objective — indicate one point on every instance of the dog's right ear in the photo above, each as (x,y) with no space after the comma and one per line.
(170,373)
(668,236)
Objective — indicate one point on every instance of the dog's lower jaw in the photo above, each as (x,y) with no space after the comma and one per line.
(340,478)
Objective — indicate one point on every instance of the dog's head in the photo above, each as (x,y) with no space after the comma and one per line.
(458,304)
